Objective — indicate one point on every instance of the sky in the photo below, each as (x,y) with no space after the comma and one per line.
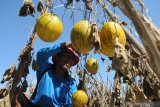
(15,31)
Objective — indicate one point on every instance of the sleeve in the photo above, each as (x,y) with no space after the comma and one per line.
(44,53)
(43,98)
(73,89)
(43,56)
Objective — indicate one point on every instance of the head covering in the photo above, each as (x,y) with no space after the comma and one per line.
(75,58)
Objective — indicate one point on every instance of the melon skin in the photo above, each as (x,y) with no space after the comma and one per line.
(81,37)
(79,98)
(109,32)
(92,65)
(49,27)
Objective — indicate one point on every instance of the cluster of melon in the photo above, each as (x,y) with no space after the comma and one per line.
(81,37)
(49,28)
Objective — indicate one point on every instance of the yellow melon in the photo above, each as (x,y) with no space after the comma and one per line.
(79,98)
(92,65)
(49,27)
(81,37)
(109,32)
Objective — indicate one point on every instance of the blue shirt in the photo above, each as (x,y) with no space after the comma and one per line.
(52,91)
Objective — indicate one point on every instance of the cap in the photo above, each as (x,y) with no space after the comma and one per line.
(75,54)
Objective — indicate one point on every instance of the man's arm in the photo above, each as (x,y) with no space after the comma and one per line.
(44,54)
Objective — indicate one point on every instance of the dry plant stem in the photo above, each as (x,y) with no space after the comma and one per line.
(88,5)
(109,12)
(146,36)
(17,77)
(96,85)
(83,81)
(134,41)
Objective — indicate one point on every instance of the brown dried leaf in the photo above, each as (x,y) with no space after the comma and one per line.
(9,73)
(27,9)
(96,39)
(3,92)
(5,102)
(120,61)
(40,6)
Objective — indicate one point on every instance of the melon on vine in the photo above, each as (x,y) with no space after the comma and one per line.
(49,27)
(109,32)
(81,37)
(92,65)
(79,98)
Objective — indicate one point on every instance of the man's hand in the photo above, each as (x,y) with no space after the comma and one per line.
(68,44)
(65,45)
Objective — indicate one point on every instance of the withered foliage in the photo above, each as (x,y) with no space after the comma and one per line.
(136,67)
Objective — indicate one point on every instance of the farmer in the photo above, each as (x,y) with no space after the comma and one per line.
(54,85)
